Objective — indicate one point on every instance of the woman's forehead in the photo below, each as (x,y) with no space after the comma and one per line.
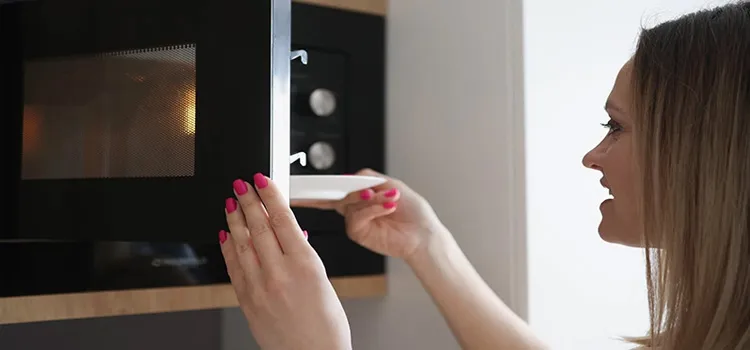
(619,98)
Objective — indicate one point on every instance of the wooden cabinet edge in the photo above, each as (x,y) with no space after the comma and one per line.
(375,7)
(148,301)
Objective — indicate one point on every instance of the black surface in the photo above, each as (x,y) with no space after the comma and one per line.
(176,217)
(326,70)
(69,267)
(359,41)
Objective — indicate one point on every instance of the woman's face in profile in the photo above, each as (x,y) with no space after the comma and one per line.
(613,158)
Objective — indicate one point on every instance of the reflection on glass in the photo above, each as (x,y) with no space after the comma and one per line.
(148,264)
(122,114)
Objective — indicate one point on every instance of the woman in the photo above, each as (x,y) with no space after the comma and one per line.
(676,160)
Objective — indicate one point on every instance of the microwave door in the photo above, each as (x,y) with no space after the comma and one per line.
(128,120)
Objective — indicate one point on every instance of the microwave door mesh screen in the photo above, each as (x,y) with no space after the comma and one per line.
(115,115)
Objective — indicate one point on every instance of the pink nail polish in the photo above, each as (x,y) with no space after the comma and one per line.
(365,194)
(222,236)
(391,193)
(239,186)
(260,180)
(231,205)
(389,205)
(305,233)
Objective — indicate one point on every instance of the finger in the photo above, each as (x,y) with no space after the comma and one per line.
(261,234)
(313,203)
(234,268)
(280,216)
(240,240)
(337,205)
(359,219)
(353,198)
(370,172)
(384,196)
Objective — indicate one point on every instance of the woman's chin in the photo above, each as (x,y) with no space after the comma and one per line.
(618,234)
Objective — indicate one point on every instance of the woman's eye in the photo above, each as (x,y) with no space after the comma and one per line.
(612,126)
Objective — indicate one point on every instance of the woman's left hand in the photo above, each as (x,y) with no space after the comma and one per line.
(280,281)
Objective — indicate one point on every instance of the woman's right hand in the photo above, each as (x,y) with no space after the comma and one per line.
(390,219)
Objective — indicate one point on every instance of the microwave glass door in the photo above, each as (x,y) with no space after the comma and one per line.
(127,120)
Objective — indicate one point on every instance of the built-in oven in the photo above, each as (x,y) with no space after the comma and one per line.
(125,123)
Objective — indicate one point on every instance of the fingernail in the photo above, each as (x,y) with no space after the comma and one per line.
(365,194)
(239,186)
(260,180)
(222,236)
(231,205)
(305,233)
(389,205)
(392,192)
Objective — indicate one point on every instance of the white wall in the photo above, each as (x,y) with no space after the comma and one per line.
(583,293)
(454,133)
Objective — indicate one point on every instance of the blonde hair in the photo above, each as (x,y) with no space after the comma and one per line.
(691,83)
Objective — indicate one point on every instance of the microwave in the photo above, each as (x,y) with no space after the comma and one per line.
(125,123)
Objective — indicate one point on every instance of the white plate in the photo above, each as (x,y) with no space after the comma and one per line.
(329,187)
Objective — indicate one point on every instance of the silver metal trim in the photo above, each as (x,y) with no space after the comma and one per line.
(281,46)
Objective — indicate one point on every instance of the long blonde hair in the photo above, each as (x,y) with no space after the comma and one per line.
(691,83)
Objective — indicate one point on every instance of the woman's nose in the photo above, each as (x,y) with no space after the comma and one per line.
(591,159)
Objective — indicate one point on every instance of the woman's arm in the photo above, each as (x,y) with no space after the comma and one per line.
(475,314)
(392,219)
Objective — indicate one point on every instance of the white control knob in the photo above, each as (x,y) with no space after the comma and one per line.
(322,102)
(321,155)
